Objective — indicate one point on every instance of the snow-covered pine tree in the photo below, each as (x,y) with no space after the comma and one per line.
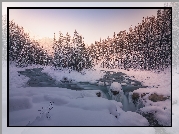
(22,49)
(58,50)
(79,54)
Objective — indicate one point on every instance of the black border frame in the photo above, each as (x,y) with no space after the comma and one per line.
(77,8)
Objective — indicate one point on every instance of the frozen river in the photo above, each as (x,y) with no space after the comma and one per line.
(41,79)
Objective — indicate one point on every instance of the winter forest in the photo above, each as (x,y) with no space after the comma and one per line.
(122,80)
(147,46)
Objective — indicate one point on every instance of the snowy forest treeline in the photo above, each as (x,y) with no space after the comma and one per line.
(23,50)
(146,46)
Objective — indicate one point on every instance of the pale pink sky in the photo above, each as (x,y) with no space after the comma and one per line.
(90,23)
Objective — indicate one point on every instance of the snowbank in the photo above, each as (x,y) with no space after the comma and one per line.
(132,119)
(15,79)
(70,108)
(151,79)
(160,109)
(89,75)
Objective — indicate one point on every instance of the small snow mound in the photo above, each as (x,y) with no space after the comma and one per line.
(115,86)
(57,99)
(19,103)
(132,119)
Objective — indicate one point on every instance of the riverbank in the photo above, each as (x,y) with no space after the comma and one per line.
(85,102)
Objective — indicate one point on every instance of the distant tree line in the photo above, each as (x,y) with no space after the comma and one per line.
(68,53)
(23,50)
(146,46)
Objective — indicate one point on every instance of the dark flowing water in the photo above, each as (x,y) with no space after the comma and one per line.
(40,79)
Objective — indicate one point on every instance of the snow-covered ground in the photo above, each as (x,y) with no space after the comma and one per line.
(71,100)
(70,107)
(157,82)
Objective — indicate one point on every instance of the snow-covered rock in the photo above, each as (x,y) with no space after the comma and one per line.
(115,88)
(100,83)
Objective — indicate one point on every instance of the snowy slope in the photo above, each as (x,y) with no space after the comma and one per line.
(70,108)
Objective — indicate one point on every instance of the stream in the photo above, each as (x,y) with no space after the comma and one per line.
(40,79)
